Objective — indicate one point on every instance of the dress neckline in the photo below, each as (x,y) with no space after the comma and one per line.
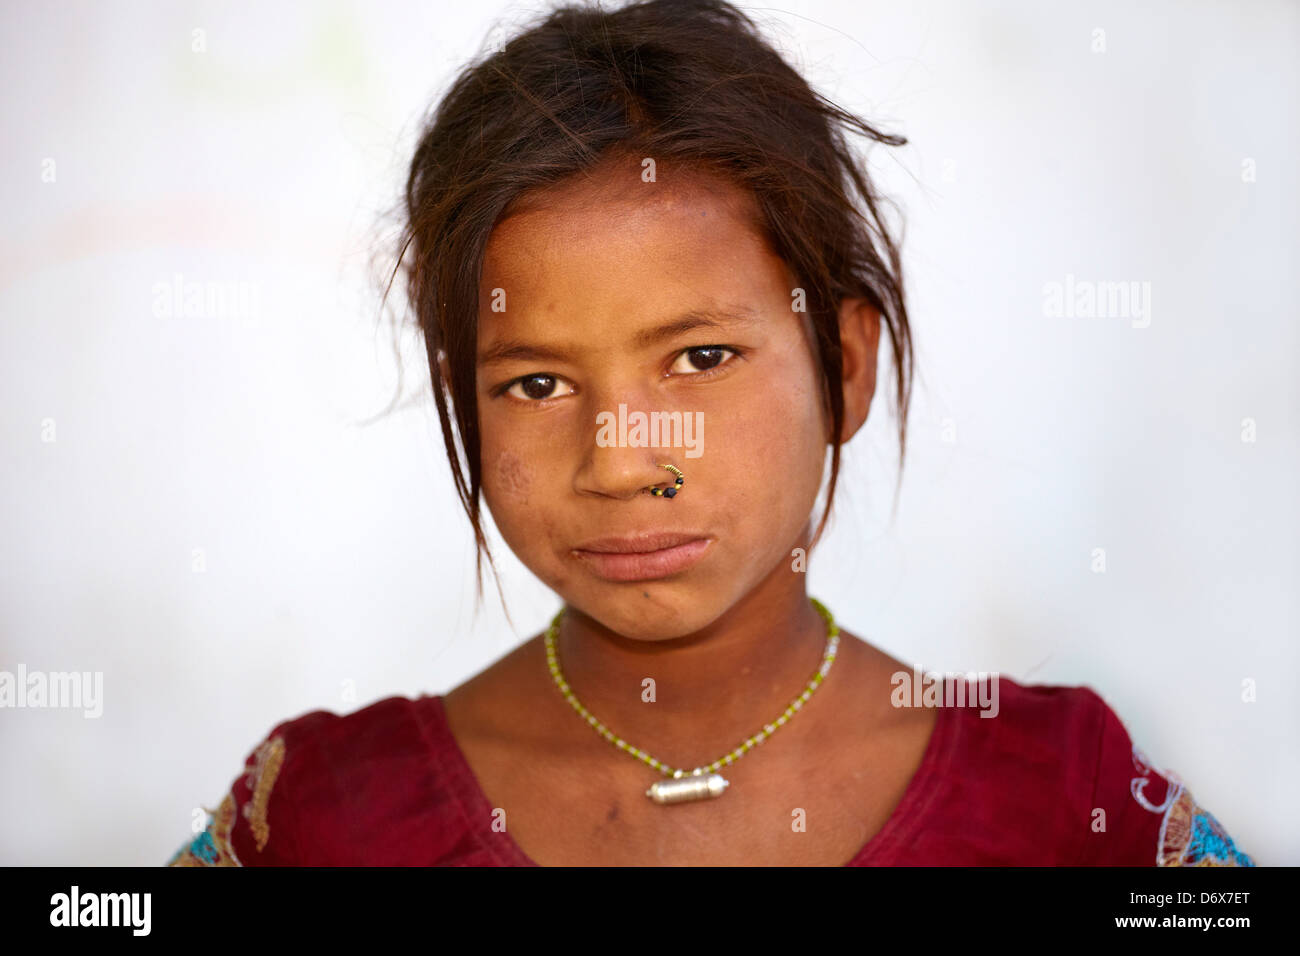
(895,834)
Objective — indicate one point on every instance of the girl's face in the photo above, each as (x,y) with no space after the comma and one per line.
(659,297)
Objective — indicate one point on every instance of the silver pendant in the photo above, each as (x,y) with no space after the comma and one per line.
(682,789)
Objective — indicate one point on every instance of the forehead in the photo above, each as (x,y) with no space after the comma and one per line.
(610,237)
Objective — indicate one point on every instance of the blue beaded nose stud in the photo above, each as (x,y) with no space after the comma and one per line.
(673,489)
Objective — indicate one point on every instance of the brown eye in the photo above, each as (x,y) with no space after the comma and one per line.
(538,386)
(700,359)
(535,388)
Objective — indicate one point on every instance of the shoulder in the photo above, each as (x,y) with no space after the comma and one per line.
(1062,757)
(1144,815)
(310,783)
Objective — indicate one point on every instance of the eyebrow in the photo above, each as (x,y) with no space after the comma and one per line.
(518,350)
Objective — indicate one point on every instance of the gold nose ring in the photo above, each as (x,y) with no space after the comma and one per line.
(671,491)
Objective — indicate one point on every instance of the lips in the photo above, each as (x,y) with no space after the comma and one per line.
(642,557)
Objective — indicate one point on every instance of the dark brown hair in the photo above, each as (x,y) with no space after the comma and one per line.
(690,82)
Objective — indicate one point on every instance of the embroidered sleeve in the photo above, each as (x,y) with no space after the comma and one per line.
(248,827)
(1142,816)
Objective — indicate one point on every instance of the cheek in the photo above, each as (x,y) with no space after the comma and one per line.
(510,481)
(779,442)
(512,485)
(771,467)
(515,491)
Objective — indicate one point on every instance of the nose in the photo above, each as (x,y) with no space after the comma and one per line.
(619,464)
(620,473)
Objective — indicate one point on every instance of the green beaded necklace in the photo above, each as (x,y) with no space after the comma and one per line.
(704,781)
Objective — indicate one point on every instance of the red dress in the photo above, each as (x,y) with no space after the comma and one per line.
(1052,779)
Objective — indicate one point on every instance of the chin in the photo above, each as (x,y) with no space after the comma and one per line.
(650,610)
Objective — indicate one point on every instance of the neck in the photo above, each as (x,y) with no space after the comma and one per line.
(727,679)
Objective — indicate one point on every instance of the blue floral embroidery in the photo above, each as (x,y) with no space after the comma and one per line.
(1189,834)
(212,847)
(1209,844)
(202,847)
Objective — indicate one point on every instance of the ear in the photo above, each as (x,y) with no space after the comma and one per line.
(859,342)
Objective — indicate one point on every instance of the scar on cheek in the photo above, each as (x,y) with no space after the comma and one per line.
(513,476)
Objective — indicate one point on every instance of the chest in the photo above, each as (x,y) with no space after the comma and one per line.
(807,806)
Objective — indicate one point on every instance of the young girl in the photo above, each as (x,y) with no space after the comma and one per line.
(651,277)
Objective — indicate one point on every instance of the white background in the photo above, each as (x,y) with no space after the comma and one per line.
(335,551)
